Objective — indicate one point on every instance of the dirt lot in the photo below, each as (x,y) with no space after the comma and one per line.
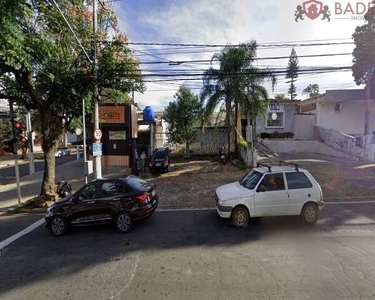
(191,183)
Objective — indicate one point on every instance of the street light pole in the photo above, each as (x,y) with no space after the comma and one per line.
(98,161)
(31,143)
(15,148)
(84,136)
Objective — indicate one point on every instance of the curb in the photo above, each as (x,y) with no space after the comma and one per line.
(24,211)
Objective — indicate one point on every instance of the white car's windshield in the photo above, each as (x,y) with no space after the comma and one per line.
(251,179)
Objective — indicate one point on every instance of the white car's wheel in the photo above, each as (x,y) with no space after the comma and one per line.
(240,217)
(310,213)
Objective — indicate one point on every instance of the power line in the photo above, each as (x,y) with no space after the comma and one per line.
(263,44)
(254,72)
(179,62)
(198,51)
(200,79)
(71,29)
(235,46)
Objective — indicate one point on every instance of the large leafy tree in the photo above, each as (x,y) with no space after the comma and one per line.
(312,90)
(237,86)
(44,68)
(182,116)
(364,51)
(292,73)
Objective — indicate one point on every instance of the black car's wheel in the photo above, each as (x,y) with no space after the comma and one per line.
(59,226)
(310,213)
(240,217)
(124,222)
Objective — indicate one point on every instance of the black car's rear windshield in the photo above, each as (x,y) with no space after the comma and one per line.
(137,184)
(159,155)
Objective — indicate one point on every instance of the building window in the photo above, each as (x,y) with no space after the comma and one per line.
(275,119)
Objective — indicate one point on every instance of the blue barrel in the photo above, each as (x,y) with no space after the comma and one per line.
(148,114)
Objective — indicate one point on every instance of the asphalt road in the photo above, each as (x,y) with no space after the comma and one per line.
(196,255)
(8,174)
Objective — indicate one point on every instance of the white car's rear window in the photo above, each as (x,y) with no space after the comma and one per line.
(297,180)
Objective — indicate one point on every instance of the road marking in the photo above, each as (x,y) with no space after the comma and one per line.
(349,202)
(131,277)
(348,198)
(20,234)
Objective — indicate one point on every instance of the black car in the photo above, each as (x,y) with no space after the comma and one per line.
(160,160)
(120,201)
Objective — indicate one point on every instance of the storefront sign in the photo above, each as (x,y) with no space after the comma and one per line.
(117,135)
(112,114)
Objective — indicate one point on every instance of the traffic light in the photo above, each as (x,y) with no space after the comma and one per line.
(10,146)
(18,129)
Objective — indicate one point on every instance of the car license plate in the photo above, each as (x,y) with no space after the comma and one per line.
(158,165)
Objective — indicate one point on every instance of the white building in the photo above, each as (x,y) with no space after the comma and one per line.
(340,122)
(345,111)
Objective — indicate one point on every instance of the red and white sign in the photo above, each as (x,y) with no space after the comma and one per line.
(97,134)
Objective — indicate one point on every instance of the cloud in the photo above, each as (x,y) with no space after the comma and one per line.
(223,21)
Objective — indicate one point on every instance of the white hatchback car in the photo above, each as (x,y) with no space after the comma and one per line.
(270,191)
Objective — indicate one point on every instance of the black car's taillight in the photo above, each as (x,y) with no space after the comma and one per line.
(143,197)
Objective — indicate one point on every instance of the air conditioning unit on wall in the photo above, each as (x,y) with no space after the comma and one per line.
(338,106)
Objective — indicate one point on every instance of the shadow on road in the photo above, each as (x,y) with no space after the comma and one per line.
(39,256)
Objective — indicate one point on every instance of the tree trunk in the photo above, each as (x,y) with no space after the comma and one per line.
(187,149)
(238,128)
(48,185)
(229,125)
(50,136)
(236,137)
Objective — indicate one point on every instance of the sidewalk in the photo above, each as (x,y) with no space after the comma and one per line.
(31,184)
(8,160)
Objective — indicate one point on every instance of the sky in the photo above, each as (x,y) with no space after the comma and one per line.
(236,21)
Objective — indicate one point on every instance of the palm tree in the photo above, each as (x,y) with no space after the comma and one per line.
(312,90)
(280,97)
(236,85)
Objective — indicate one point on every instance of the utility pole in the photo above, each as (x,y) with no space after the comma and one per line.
(16,168)
(367,114)
(368,99)
(134,165)
(98,158)
(31,144)
(84,136)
